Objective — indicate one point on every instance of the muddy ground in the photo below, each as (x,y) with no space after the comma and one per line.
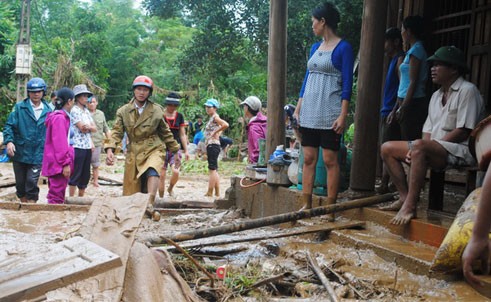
(355,274)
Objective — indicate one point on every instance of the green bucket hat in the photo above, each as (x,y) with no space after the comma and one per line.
(450,55)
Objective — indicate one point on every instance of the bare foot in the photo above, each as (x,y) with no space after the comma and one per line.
(395,206)
(404,216)
(95,184)
(208,195)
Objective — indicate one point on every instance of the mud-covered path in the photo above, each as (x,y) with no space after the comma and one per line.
(365,276)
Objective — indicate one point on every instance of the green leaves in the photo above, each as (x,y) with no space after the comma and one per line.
(200,48)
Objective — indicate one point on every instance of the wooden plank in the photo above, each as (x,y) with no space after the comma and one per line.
(111,223)
(8,196)
(197,204)
(41,207)
(160,203)
(5,183)
(68,261)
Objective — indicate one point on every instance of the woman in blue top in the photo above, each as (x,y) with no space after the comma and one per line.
(324,100)
(413,104)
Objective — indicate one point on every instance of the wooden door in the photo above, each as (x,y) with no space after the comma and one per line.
(466,25)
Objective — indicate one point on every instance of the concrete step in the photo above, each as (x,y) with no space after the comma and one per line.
(429,228)
(412,256)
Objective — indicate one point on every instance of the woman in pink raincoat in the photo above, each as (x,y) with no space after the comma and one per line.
(58,151)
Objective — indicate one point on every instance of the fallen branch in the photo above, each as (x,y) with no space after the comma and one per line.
(114,182)
(266,281)
(199,266)
(272,220)
(309,230)
(344,282)
(219,252)
(84,201)
(315,266)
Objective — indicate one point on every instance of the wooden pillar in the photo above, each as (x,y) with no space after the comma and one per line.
(276,74)
(363,165)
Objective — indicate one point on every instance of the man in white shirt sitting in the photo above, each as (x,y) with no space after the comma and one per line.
(453,112)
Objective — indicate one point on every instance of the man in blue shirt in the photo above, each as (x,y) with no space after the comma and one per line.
(24,135)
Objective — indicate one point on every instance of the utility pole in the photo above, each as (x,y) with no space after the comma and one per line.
(23,58)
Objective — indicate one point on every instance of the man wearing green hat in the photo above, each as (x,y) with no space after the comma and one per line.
(453,112)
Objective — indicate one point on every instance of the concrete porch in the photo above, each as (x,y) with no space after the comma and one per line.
(412,246)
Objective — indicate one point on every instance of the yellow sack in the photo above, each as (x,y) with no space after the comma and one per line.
(448,258)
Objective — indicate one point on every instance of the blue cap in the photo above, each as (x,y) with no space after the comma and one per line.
(212,103)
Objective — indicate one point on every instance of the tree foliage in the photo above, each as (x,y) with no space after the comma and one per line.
(7,58)
(199,48)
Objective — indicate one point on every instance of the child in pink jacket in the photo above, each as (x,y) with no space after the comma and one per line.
(58,151)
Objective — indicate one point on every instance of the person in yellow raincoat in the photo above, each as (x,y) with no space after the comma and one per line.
(149,137)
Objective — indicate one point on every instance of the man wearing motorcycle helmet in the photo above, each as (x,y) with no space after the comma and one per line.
(24,135)
(149,138)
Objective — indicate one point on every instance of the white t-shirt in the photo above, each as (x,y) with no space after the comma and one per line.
(37,110)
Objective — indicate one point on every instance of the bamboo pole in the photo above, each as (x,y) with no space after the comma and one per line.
(289,233)
(272,220)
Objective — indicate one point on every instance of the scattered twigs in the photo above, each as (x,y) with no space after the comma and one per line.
(315,266)
(344,282)
(199,266)
(268,280)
